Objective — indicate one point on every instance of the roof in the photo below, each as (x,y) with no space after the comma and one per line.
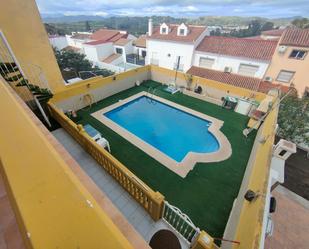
(81,36)
(228,78)
(295,37)
(71,48)
(106,35)
(122,41)
(273,32)
(140,41)
(194,33)
(265,87)
(111,58)
(247,82)
(239,47)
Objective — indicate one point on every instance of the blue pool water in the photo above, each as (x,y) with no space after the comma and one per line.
(170,130)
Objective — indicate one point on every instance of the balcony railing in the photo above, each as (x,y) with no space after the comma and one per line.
(135,59)
(150,200)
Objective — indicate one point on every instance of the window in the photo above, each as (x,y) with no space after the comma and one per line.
(248,70)
(163,30)
(144,53)
(119,50)
(285,76)
(206,62)
(298,54)
(181,32)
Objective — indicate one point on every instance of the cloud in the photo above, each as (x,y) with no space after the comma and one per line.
(193,8)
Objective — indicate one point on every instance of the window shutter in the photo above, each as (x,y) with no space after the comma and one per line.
(248,70)
(285,76)
(206,62)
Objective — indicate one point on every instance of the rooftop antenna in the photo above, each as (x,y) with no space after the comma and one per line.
(247,131)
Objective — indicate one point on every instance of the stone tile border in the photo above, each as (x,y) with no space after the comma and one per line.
(181,168)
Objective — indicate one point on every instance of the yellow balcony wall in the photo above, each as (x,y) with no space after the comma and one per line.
(53,209)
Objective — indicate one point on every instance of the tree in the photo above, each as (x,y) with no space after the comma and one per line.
(52,30)
(293,120)
(73,62)
(87,25)
(267,26)
(302,23)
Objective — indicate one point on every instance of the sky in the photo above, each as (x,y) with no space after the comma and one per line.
(177,8)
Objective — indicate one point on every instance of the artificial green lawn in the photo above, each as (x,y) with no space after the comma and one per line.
(207,193)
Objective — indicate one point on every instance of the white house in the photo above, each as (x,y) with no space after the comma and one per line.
(247,57)
(169,43)
(105,48)
(58,41)
(139,46)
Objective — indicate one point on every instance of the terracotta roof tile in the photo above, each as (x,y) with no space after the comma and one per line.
(265,87)
(103,34)
(140,41)
(273,32)
(71,48)
(122,42)
(228,78)
(106,35)
(295,37)
(111,58)
(194,34)
(81,36)
(239,47)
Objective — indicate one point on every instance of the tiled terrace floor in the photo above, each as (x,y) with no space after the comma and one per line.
(134,213)
(291,221)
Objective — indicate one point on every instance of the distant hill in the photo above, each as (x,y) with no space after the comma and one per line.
(204,20)
(138,25)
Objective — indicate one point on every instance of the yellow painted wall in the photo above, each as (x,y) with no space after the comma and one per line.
(211,83)
(283,62)
(50,202)
(94,83)
(21,24)
(249,225)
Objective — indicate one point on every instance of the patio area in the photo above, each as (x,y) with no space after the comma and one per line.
(207,193)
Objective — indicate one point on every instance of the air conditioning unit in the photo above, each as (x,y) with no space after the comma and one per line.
(282,49)
(268,79)
(227,69)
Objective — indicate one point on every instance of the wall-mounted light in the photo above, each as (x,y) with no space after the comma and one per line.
(252,196)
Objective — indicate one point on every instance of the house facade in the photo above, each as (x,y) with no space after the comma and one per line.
(235,55)
(105,48)
(290,62)
(169,45)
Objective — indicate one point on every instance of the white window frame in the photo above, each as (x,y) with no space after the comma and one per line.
(298,52)
(285,71)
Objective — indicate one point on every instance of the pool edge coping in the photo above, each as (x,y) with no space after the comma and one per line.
(189,161)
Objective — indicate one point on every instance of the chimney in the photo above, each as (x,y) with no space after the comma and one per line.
(150,27)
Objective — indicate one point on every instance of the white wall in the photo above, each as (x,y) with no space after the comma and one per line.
(75,42)
(222,61)
(98,52)
(59,42)
(174,49)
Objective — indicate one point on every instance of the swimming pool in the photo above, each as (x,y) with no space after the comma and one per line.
(176,136)
(170,130)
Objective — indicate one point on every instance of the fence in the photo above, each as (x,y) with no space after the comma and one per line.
(151,201)
(180,222)
(110,67)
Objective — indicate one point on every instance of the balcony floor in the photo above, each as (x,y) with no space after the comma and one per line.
(133,212)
